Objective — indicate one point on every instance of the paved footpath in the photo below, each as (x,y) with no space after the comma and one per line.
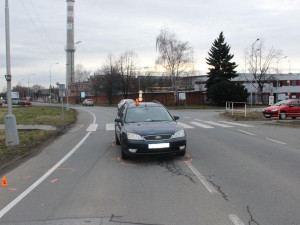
(31,127)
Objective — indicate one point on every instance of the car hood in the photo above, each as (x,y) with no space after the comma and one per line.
(271,108)
(153,128)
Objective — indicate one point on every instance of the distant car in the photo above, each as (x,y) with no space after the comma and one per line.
(0,103)
(148,128)
(88,102)
(285,108)
(24,102)
(15,102)
(123,101)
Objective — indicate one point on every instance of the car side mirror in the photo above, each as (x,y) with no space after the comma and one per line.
(118,120)
(176,117)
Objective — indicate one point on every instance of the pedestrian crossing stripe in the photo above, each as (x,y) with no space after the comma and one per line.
(110,126)
(92,127)
(218,124)
(236,124)
(199,123)
(185,125)
(202,125)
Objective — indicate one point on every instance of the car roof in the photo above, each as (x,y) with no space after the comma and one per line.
(144,104)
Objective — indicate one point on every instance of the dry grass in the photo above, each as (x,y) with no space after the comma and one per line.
(31,139)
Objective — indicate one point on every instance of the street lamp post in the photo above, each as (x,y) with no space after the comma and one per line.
(68,81)
(50,79)
(28,92)
(277,73)
(255,67)
(11,131)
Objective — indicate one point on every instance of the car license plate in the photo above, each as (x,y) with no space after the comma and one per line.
(160,145)
(268,116)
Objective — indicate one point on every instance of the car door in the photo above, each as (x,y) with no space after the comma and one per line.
(293,108)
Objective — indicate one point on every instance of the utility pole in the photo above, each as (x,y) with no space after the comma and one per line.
(11,131)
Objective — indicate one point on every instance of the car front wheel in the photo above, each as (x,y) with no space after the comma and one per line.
(283,115)
(124,149)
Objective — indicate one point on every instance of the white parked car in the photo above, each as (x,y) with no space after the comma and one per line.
(88,102)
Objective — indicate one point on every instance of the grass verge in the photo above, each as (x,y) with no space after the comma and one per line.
(31,139)
(241,116)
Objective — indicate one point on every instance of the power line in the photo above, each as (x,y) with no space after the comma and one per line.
(52,50)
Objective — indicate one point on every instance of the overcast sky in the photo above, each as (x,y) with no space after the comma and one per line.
(38,32)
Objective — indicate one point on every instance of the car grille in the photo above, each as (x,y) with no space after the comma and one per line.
(158,137)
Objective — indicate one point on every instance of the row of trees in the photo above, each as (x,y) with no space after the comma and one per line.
(175,58)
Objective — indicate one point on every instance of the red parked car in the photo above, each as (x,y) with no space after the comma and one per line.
(285,108)
(0,103)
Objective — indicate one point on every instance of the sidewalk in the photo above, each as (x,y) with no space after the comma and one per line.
(31,127)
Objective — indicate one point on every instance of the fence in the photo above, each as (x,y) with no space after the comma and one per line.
(230,107)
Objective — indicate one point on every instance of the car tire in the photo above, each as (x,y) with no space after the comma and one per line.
(283,115)
(123,152)
(181,153)
(294,118)
(117,139)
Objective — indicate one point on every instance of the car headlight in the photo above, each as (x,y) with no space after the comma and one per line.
(132,136)
(179,134)
(274,110)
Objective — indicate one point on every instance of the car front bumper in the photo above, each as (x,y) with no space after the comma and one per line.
(269,114)
(140,147)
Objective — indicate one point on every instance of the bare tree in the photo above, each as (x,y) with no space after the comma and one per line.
(127,68)
(111,78)
(260,63)
(174,56)
(81,74)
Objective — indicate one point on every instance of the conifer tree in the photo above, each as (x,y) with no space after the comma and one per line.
(219,86)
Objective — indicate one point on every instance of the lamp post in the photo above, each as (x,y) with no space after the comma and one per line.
(277,73)
(28,92)
(11,131)
(68,81)
(50,79)
(252,65)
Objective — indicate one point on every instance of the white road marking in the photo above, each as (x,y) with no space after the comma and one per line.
(110,126)
(245,132)
(279,142)
(206,184)
(92,128)
(94,117)
(235,219)
(202,125)
(217,124)
(236,124)
(185,125)
(40,180)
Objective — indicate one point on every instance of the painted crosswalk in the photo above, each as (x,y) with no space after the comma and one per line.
(196,123)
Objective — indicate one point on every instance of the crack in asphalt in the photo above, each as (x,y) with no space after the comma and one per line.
(219,189)
(171,167)
(252,220)
(125,222)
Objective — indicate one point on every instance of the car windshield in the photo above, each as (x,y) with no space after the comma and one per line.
(147,114)
(284,102)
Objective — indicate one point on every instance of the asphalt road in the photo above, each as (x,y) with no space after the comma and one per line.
(235,174)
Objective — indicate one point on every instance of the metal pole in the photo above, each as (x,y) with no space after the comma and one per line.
(50,84)
(11,131)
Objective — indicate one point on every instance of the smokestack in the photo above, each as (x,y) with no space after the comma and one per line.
(70,49)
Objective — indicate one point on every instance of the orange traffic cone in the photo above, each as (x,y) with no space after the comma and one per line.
(4,182)
(137,102)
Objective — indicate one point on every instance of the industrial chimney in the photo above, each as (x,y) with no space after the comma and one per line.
(70,49)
